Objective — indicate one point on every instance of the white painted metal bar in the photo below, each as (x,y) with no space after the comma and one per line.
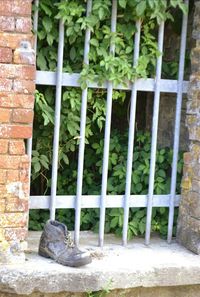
(131,137)
(93,201)
(35,23)
(154,134)
(107,133)
(82,136)
(54,173)
(177,124)
(35,27)
(72,80)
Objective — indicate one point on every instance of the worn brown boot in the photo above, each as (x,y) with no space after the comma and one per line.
(56,243)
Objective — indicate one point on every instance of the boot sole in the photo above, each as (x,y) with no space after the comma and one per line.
(77,263)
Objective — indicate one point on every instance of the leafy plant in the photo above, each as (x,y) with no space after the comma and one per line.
(116,184)
(104,66)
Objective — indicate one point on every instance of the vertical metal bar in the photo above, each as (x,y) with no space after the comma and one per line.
(107,133)
(82,136)
(177,125)
(131,137)
(154,133)
(54,174)
(35,27)
(35,22)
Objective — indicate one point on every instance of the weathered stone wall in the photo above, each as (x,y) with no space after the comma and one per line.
(167,112)
(178,291)
(167,106)
(17,74)
(188,232)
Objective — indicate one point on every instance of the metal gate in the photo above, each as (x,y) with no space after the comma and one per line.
(157,85)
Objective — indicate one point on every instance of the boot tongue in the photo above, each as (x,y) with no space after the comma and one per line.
(62,228)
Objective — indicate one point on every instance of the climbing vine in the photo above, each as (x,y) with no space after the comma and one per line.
(103,66)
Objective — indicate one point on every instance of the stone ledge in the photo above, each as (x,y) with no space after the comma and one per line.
(113,267)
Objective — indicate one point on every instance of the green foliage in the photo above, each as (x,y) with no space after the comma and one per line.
(103,66)
(116,184)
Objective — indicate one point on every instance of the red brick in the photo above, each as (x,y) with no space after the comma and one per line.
(26,190)
(22,116)
(24,86)
(13,220)
(13,233)
(5,115)
(16,205)
(7,71)
(15,7)
(6,7)
(23,25)
(16,147)
(26,72)
(7,23)
(9,162)
(16,100)
(2,205)
(2,237)
(13,175)
(5,85)
(17,71)
(13,40)
(3,191)
(3,146)
(2,176)
(24,173)
(15,131)
(5,55)
(22,7)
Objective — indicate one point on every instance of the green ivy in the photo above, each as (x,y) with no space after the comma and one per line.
(103,66)
(116,184)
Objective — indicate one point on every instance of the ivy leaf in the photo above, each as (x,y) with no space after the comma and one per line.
(114,222)
(65,159)
(101,13)
(142,227)
(122,3)
(46,9)
(69,31)
(44,164)
(41,61)
(72,53)
(140,8)
(50,39)
(47,23)
(173,3)
(36,167)
(94,42)
(183,7)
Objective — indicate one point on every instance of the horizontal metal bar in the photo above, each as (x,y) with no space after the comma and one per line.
(93,201)
(71,80)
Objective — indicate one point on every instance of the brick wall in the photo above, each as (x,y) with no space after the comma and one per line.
(17,74)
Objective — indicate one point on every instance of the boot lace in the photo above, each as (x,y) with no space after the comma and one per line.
(68,240)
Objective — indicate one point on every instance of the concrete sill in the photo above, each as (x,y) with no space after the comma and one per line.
(113,267)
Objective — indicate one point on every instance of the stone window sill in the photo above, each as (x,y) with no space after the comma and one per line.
(112,267)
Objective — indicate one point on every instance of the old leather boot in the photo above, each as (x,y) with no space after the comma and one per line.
(56,243)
